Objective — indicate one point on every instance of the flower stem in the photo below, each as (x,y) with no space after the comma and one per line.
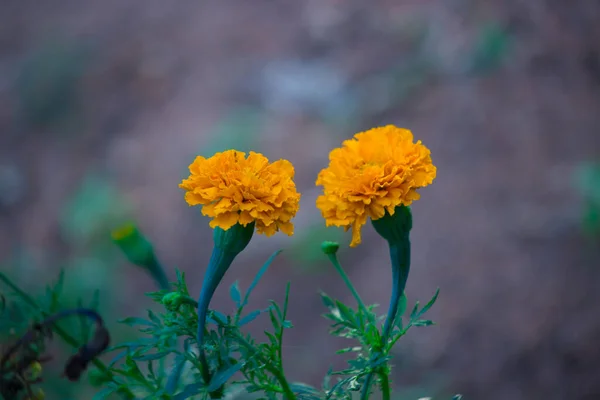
(220,261)
(346,279)
(385,385)
(158,273)
(400,259)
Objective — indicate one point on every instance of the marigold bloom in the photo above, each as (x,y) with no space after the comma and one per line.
(372,173)
(234,189)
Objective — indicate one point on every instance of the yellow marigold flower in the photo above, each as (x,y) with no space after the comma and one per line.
(234,189)
(372,173)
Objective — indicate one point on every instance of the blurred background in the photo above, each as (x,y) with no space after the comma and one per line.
(103,105)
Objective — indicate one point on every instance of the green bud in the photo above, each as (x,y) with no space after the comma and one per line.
(330,247)
(134,245)
(173,300)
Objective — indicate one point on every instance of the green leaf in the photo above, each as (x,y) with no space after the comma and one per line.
(287,324)
(402,306)
(327,301)
(223,376)
(153,317)
(286,302)
(413,313)
(104,393)
(118,357)
(429,304)
(250,317)
(154,356)
(274,320)
(175,374)
(305,391)
(219,317)
(234,293)
(259,275)
(423,322)
(346,313)
(272,338)
(189,391)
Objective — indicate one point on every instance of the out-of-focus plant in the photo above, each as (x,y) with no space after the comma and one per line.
(46,86)
(491,49)
(189,351)
(588,180)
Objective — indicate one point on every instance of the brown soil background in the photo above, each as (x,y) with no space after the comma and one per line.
(498,231)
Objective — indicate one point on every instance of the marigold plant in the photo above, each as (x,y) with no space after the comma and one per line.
(372,173)
(187,351)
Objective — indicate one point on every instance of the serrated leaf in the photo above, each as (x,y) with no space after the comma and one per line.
(234,293)
(223,376)
(258,276)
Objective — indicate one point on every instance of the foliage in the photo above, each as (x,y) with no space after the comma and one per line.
(588,180)
(163,362)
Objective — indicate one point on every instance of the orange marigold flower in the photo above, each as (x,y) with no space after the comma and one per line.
(372,173)
(234,189)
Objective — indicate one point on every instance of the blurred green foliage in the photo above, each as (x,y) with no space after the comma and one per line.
(94,209)
(306,244)
(47,83)
(588,181)
(492,47)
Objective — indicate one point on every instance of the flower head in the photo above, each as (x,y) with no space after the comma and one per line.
(370,175)
(233,188)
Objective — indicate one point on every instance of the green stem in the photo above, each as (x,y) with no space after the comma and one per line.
(385,385)
(70,340)
(219,263)
(346,279)
(158,273)
(400,259)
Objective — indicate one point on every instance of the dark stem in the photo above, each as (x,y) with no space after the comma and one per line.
(78,362)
